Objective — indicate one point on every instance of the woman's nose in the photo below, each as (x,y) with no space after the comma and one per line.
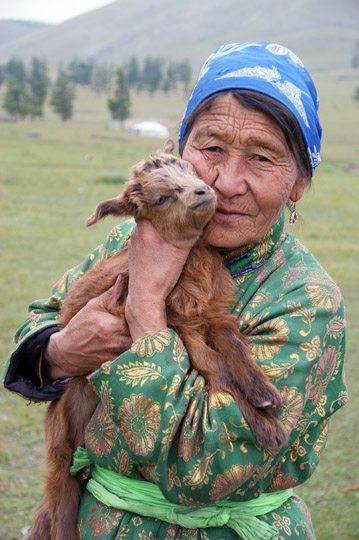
(231,179)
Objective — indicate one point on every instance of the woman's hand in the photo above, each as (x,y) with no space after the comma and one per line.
(155,266)
(92,337)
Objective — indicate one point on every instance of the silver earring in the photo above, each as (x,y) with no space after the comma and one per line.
(293,215)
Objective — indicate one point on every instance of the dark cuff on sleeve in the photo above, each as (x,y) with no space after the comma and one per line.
(21,376)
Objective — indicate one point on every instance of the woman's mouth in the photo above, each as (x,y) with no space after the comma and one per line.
(227,215)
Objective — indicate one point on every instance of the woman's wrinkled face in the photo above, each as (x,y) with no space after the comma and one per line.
(242,154)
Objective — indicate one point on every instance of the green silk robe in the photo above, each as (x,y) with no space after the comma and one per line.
(156,420)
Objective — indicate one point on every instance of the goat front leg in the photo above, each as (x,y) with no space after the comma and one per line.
(240,370)
(263,422)
(225,361)
(203,358)
(250,387)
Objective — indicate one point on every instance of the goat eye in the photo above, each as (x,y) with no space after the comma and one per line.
(161,200)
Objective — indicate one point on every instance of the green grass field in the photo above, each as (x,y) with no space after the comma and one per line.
(50,181)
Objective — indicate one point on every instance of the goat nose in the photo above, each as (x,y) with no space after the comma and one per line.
(202,190)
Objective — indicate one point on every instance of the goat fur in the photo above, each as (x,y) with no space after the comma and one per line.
(166,190)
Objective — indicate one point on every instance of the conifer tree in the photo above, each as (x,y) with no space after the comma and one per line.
(121,103)
(355,59)
(102,78)
(81,71)
(152,74)
(38,84)
(356,95)
(16,98)
(184,73)
(16,68)
(2,74)
(177,72)
(132,72)
(170,81)
(62,96)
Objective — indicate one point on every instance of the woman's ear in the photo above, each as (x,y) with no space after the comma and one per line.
(299,187)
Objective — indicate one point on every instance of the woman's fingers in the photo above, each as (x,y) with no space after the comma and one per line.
(93,336)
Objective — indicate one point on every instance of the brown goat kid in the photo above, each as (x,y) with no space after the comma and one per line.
(167,191)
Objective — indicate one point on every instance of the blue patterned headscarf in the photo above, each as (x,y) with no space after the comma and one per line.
(269,69)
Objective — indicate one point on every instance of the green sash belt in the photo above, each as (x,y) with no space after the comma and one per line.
(146,499)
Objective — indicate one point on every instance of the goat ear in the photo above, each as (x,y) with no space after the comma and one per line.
(169,146)
(127,204)
(115,207)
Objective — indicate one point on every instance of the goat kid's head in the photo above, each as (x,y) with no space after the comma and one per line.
(166,190)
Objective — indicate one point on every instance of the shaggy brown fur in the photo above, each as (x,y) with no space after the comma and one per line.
(166,190)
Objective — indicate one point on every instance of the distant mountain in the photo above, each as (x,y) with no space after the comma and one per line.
(322,32)
(11,30)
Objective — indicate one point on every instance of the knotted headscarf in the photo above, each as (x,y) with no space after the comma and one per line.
(269,69)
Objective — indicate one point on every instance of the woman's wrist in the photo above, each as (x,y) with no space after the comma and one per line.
(147,318)
(50,365)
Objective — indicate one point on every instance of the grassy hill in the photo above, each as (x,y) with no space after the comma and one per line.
(11,30)
(323,33)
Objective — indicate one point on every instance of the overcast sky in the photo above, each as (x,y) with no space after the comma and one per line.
(54,11)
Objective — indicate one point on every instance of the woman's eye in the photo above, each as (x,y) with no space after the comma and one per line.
(213,149)
(161,200)
(261,158)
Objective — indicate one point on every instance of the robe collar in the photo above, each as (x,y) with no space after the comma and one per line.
(247,258)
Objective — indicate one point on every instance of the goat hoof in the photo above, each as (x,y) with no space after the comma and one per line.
(265,405)
(269,432)
(263,396)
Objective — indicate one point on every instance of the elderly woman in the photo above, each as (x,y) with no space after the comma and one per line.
(182,463)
